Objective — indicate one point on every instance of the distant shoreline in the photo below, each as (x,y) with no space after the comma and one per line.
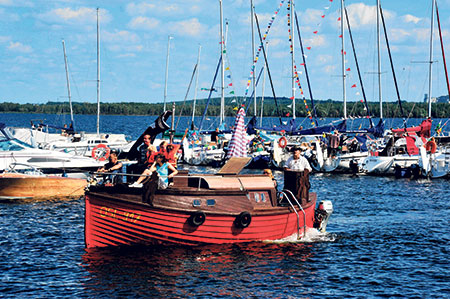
(328,108)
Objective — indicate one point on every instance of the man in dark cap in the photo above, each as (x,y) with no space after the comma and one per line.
(297,162)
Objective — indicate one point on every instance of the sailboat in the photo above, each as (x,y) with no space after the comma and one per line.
(435,162)
(94,145)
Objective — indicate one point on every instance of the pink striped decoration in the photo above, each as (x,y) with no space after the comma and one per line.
(238,143)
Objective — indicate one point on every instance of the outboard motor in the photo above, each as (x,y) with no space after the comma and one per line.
(322,214)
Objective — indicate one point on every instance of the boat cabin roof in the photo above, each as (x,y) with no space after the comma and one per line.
(250,182)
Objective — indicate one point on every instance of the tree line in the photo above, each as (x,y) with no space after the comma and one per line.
(323,108)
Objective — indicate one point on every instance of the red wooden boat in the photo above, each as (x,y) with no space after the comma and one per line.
(203,209)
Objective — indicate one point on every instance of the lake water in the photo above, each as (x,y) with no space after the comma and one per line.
(386,238)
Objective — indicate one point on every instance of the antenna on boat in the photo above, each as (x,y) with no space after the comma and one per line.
(98,76)
(68,82)
(167,71)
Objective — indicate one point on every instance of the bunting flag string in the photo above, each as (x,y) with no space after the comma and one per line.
(229,84)
(258,52)
(296,77)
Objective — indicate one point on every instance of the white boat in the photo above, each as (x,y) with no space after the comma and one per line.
(81,144)
(13,150)
(435,165)
(202,154)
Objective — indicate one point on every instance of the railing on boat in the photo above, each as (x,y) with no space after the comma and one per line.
(283,193)
(120,174)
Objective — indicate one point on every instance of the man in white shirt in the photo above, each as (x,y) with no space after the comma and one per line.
(297,162)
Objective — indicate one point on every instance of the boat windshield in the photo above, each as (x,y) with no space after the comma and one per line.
(7,143)
(13,145)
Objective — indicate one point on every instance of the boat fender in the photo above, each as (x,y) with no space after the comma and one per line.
(101,152)
(243,220)
(197,218)
(282,142)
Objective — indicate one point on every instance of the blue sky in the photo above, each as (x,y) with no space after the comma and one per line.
(134,44)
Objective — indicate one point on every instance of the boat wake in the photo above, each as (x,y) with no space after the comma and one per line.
(312,236)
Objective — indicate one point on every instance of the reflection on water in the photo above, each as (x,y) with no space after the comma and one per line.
(227,270)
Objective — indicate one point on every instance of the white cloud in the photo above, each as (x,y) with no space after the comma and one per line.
(330,69)
(82,15)
(125,48)
(19,47)
(397,34)
(324,59)
(191,27)
(316,41)
(143,23)
(10,17)
(361,15)
(411,19)
(140,8)
(4,39)
(6,2)
(120,36)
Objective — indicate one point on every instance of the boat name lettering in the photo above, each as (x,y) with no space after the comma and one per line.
(120,215)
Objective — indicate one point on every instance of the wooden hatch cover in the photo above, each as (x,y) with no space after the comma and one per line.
(234,166)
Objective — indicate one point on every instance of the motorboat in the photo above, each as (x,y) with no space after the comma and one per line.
(29,183)
(82,144)
(13,150)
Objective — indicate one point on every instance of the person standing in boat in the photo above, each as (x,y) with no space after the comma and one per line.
(113,166)
(162,168)
(298,162)
(215,137)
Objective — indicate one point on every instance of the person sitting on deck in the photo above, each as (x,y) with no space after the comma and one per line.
(171,155)
(163,148)
(161,167)
(298,162)
(113,166)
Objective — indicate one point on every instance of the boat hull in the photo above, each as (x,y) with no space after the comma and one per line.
(17,186)
(113,222)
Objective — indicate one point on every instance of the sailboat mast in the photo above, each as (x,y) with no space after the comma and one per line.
(167,71)
(263,85)
(196,82)
(379,60)
(252,12)
(68,82)
(222,84)
(442,50)
(430,69)
(291,37)
(344,96)
(98,76)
